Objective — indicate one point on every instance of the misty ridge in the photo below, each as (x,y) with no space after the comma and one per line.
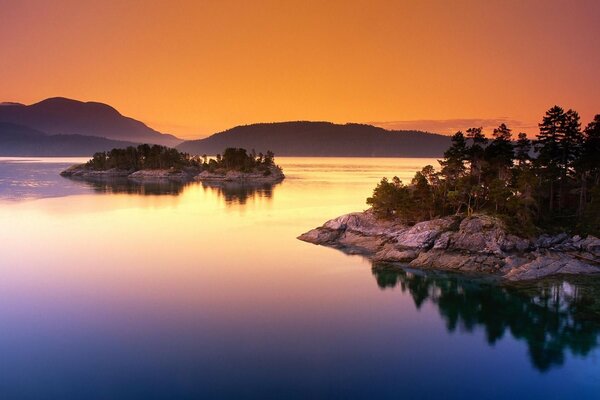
(64,127)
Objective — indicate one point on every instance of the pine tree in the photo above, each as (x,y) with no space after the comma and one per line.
(549,151)
(500,152)
(453,164)
(570,142)
(522,149)
(476,151)
(588,164)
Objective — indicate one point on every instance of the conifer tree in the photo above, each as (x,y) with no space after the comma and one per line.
(500,152)
(522,149)
(453,164)
(549,152)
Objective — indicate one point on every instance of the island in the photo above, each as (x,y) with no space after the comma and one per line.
(154,162)
(516,210)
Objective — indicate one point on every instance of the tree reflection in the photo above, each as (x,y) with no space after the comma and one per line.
(552,316)
(131,186)
(240,193)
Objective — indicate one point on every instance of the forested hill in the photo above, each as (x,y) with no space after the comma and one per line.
(302,138)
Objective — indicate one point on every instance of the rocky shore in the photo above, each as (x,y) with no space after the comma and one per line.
(476,244)
(274,175)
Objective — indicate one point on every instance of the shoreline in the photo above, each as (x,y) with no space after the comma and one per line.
(181,175)
(478,244)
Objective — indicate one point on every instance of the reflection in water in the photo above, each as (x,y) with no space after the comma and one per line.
(130,186)
(233,192)
(552,316)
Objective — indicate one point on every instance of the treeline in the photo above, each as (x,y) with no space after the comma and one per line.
(144,156)
(239,160)
(550,183)
(147,156)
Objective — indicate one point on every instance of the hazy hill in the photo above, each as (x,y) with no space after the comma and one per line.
(61,116)
(303,138)
(18,140)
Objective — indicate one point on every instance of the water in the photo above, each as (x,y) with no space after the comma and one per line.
(120,290)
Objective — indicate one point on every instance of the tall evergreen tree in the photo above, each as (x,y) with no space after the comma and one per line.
(590,152)
(522,149)
(571,140)
(476,151)
(500,152)
(453,164)
(588,164)
(548,148)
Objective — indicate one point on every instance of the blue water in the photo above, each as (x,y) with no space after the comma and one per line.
(116,290)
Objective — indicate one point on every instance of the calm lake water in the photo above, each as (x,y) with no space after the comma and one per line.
(122,290)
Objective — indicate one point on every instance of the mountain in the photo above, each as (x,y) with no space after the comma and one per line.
(18,140)
(303,138)
(61,116)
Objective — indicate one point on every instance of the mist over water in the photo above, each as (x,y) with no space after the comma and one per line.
(163,290)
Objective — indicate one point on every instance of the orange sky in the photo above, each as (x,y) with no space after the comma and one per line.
(196,67)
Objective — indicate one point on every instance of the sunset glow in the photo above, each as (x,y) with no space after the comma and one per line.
(193,68)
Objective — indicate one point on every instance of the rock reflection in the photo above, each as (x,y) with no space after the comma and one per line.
(130,186)
(551,316)
(240,193)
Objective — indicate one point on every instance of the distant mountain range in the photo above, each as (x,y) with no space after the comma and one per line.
(65,127)
(61,116)
(19,140)
(303,138)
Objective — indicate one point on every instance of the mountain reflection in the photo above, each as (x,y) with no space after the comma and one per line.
(552,316)
(130,186)
(240,193)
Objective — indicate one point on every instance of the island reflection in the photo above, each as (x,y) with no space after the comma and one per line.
(551,316)
(130,186)
(231,192)
(240,193)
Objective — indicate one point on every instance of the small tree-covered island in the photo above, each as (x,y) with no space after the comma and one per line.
(518,209)
(154,162)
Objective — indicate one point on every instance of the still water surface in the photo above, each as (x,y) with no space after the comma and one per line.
(122,290)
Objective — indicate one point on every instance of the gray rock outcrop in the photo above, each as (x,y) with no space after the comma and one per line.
(476,244)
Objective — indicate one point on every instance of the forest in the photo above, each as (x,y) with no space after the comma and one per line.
(147,156)
(545,184)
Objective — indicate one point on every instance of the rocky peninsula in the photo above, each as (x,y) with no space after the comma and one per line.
(475,244)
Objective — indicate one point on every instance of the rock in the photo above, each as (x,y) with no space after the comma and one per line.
(423,234)
(160,174)
(547,241)
(591,244)
(81,171)
(274,175)
(443,241)
(389,253)
(479,243)
(551,263)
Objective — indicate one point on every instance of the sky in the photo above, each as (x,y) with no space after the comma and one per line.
(193,68)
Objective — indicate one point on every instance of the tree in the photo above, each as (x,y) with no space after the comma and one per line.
(509,182)
(570,141)
(476,152)
(500,153)
(588,164)
(522,150)
(549,151)
(453,164)
(386,197)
